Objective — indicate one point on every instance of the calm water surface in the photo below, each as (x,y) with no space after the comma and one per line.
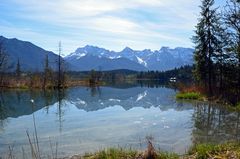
(85,119)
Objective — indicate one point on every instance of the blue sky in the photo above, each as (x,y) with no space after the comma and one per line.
(112,24)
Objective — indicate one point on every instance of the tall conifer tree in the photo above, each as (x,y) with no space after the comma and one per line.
(208,42)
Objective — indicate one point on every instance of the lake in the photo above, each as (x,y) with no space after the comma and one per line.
(83,119)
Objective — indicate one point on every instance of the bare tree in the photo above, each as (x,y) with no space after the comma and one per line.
(61,69)
(3,63)
(47,74)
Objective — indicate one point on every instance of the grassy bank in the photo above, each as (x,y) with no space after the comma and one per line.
(190,92)
(230,150)
(200,96)
(129,154)
(119,153)
(201,151)
(189,95)
(210,151)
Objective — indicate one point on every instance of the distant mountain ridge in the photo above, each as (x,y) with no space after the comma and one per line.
(32,57)
(90,62)
(163,59)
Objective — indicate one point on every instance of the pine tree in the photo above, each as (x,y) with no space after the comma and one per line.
(18,69)
(232,20)
(208,43)
(200,57)
(220,44)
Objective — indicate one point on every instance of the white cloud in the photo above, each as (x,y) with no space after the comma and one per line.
(109,23)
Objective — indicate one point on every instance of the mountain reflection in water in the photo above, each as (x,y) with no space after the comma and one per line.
(83,119)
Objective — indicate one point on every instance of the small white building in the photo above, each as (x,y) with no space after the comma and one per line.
(173,79)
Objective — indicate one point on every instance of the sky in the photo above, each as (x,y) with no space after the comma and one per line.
(111,24)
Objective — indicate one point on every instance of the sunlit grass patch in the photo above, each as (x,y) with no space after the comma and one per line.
(189,95)
(167,155)
(119,153)
(205,151)
(112,153)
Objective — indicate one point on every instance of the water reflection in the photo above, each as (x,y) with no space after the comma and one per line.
(215,124)
(83,119)
(99,98)
(16,103)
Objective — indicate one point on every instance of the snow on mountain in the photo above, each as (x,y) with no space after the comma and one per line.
(141,61)
(163,59)
(31,57)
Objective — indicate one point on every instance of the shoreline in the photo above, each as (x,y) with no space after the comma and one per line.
(199,151)
(69,85)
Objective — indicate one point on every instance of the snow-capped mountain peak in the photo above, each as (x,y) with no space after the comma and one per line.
(127,49)
(163,59)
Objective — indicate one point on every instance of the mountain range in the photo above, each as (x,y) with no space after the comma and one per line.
(86,58)
(100,58)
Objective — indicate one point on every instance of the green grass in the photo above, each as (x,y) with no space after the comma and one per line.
(200,151)
(119,153)
(234,108)
(205,151)
(237,107)
(189,95)
(112,153)
(167,155)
